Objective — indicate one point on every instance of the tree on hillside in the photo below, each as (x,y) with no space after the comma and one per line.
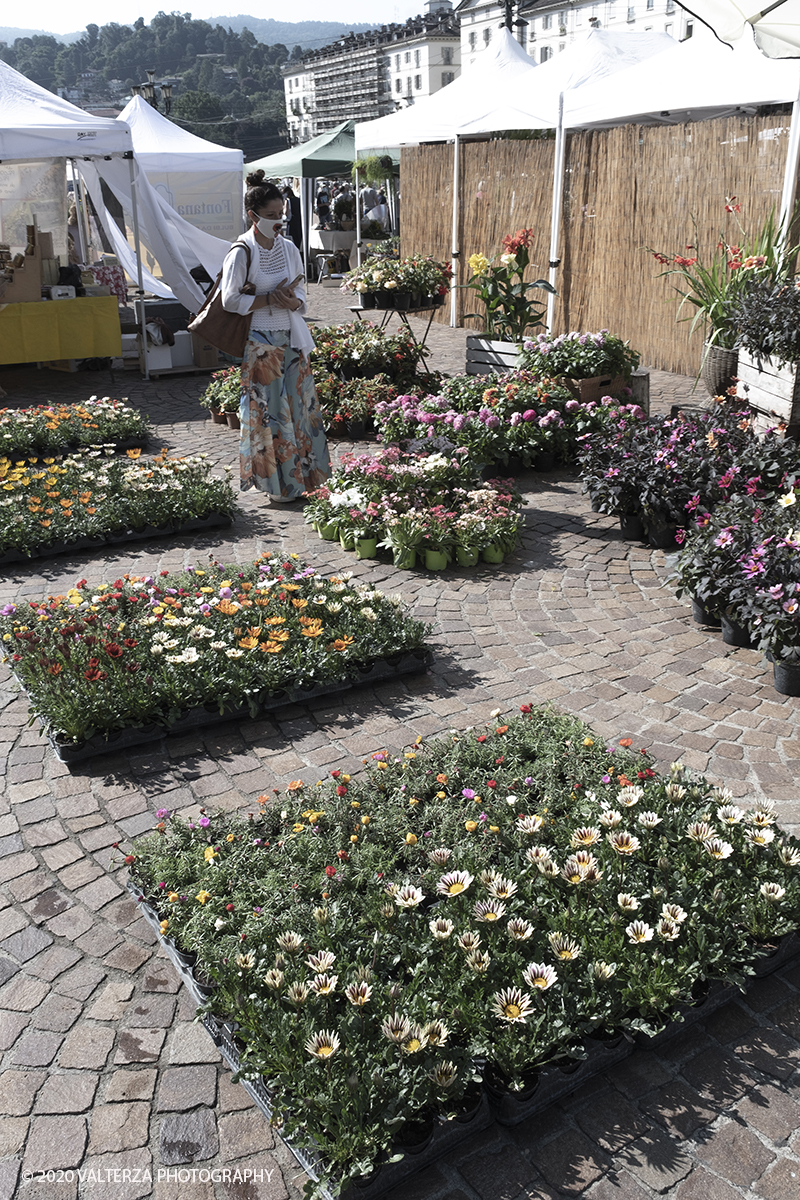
(198,106)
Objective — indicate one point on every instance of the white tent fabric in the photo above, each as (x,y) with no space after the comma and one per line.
(776,27)
(177,246)
(692,80)
(601,53)
(202,181)
(476,98)
(35,124)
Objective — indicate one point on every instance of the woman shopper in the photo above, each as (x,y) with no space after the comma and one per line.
(282,449)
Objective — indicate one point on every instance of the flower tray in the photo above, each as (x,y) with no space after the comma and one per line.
(218,520)
(411,663)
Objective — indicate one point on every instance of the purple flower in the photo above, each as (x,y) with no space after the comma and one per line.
(468,794)
(8,610)
(162,814)
(528,780)
(606,779)
(204,822)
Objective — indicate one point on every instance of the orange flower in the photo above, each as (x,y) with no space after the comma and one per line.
(295,785)
(502,728)
(624,781)
(273,620)
(133,453)
(248,643)
(54,669)
(626,742)
(300,603)
(44,523)
(227,608)
(341,643)
(91,511)
(263,798)
(270,647)
(441,779)
(254,630)
(312,633)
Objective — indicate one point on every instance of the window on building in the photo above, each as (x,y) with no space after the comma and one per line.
(651,5)
(668,29)
(487,36)
(562,18)
(416,58)
(408,86)
(473,40)
(561,47)
(447,55)
(689,30)
(670,7)
(417,83)
(447,77)
(290,84)
(408,56)
(547,21)
(631,14)
(398,85)
(545,53)
(397,62)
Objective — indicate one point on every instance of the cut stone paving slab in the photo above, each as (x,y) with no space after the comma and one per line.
(188,1137)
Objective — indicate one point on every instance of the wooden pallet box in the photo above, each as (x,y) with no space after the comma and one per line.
(773,392)
(485,356)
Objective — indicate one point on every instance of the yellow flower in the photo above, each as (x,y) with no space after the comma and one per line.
(478,264)
(441,795)
(411,839)
(413,802)
(353,837)
(231,837)
(164,926)
(298,826)
(209,853)
(202,896)
(355,804)
(365,820)
(345,779)
(173,897)
(494,828)
(470,826)
(587,741)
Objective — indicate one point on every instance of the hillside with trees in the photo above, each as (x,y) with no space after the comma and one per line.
(227,85)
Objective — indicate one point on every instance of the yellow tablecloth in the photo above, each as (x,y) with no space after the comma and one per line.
(87,327)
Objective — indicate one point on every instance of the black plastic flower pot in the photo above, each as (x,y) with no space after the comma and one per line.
(704,616)
(735,635)
(661,534)
(786,677)
(631,526)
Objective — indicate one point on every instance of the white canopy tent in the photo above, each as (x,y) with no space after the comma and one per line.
(200,180)
(776,27)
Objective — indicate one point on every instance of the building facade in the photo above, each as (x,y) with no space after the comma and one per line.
(371,74)
(547,27)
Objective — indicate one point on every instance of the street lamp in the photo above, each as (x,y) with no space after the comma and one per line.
(148,92)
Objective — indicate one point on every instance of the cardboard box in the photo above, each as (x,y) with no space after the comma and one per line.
(159,358)
(203,353)
(27,283)
(45,243)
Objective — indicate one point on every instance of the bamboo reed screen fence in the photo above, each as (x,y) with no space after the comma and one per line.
(625,189)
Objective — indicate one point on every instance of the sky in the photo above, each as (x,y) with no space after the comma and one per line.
(57,17)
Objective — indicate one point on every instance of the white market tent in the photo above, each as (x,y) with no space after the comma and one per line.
(776,27)
(200,180)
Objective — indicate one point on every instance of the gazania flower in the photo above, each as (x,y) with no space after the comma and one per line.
(323,1044)
(627,902)
(454,883)
(762,818)
(674,912)
(539,975)
(563,947)
(548,868)
(469,941)
(519,929)
(649,820)
(297,994)
(415,1040)
(610,818)
(604,971)
(290,941)
(700,831)
(274,979)
(501,889)
(629,796)
(638,932)
(623,843)
(324,984)
(788,855)
(759,837)
(409,896)
(246,961)
(668,930)
(573,871)
(488,910)
(478,961)
(436,1033)
(529,825)
(772,892)
(358,993)
(536,854)
(717,848)
(587,835)
(396,1028)
(322,961)
(512,1005)
(440,856)
(730,814)
(443,1075)
(441,928)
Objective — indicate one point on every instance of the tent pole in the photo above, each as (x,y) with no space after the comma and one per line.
(790,173)
(358,223)
(454,250)
(82,209)
(555,215)
(138,249)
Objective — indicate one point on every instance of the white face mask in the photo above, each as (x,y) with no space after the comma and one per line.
(270,227)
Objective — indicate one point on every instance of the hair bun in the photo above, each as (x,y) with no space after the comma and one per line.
(255,178)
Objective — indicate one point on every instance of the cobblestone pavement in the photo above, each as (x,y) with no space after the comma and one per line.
(103,1067)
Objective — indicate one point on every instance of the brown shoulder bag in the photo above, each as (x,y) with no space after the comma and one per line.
(227,331)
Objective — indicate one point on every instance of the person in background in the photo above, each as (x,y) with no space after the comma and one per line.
(369,198)
(324,205)
(282,448)
(292,214)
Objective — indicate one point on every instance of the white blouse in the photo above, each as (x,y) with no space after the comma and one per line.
(270,271)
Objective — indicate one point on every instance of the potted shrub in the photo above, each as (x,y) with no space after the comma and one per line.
(767,317)
(344,210)
(508,311)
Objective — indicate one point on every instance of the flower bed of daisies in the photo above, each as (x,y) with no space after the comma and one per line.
(496,896)
(111,656)
(48,503)
(55,428)
(417,504)
(516,415)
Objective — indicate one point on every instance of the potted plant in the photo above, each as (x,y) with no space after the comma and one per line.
(509,312)
(591,364)
(223,395)
(344,210)
(767,317)
(713,287)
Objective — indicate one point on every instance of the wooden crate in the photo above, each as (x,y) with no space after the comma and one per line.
(773,393)
(485,356)
(27,283)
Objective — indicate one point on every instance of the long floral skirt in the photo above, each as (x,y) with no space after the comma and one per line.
(282,447)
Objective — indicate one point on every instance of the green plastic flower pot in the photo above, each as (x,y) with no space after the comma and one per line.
(493,554)
(405,557)
(366,548)
(466,558)
(347,541)
(328,533)
(435,560)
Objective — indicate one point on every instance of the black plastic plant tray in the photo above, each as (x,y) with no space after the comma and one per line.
(408,663)
(79,544)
